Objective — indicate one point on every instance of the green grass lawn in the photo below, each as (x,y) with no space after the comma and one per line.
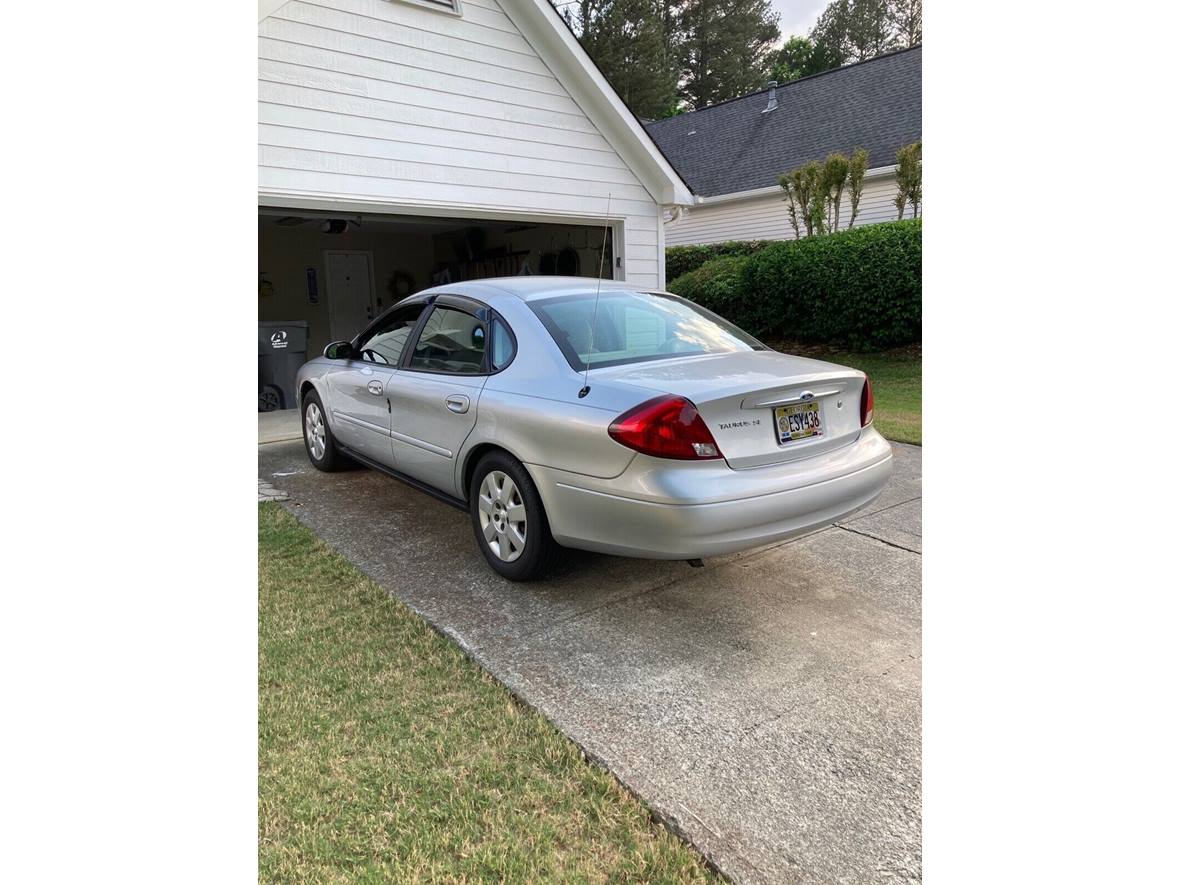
(897,385)
(385,754)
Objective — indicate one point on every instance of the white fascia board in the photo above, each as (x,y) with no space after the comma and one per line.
(542,26)
(737,196)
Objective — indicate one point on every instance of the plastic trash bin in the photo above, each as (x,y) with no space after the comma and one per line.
(282,349)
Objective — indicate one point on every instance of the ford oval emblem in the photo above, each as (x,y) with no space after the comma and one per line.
(806,395)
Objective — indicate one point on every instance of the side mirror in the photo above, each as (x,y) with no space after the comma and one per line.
(338,350)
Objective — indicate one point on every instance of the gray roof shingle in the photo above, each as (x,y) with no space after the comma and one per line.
(733,146)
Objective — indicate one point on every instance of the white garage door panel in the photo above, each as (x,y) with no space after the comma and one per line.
(424,193)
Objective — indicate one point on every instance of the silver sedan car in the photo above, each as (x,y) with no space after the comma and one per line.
(558,412)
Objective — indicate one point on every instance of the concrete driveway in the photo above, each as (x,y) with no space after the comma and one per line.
(767,706)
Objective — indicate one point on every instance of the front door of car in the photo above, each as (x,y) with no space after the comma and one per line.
(358,391)
(435,396)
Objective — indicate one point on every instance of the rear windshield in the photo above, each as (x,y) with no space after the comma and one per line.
(633,327)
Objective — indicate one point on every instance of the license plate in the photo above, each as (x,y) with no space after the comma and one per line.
(797,421)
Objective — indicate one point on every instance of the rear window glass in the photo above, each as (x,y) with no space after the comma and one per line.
(633,327)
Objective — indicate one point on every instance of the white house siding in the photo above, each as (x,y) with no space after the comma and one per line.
(766,218)
(384,102)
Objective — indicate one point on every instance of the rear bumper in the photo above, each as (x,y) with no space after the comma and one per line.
(660,509)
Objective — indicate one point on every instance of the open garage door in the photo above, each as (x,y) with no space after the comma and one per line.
(336,272)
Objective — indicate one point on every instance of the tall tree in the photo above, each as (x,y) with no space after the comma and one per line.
(855,30)
(905,17)
(797,58)
(724,48)
(629,42)
(669,11)
(849,31)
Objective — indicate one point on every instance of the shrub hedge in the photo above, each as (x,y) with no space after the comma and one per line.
(860,288)
(679,260)
(717,285)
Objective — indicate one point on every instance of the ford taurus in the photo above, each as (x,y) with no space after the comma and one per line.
(558,412)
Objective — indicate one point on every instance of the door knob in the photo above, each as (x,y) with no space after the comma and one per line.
(458,403)
(375,388)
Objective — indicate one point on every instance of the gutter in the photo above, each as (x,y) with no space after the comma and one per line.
(739,196)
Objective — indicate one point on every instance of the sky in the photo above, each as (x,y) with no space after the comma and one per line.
(797,16)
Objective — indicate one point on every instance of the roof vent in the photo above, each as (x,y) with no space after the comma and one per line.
(773,102)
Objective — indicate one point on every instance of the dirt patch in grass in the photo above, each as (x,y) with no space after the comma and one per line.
(386,754)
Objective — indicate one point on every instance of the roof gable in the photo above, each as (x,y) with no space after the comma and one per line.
(733,146)
(559,51)
(553,40)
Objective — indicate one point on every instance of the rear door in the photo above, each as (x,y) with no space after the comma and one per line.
(358,391)
(435,394)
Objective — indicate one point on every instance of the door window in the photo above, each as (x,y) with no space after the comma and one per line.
(451,342)
(383,344)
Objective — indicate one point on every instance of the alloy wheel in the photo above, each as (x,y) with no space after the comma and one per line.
(313,424)
(502,515)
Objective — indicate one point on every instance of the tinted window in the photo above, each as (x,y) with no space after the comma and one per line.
(385,343)
(451,341)
(503,347)
(632,327)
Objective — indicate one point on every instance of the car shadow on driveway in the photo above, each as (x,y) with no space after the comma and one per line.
(767,706)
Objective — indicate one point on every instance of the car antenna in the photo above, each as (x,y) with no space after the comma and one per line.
(594,317)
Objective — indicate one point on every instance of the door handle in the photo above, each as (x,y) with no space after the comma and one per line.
(458,403)
(375,388)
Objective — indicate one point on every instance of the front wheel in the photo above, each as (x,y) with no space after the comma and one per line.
(317,436)
(509,520)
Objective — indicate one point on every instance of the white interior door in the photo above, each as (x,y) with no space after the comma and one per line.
(350,292)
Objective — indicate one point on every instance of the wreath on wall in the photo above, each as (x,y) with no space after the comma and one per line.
(401,285)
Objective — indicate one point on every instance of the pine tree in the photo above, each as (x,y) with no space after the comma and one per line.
(724,48)
(857,30)
(628,41)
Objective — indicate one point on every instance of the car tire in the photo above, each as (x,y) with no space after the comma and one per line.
(495,507)
(317,436)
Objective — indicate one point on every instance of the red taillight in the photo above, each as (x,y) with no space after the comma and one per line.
(667,427)
(866,403)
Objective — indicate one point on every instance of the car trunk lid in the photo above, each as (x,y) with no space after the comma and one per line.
(743,396)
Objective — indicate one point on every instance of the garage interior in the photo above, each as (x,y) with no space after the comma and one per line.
(335,272)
